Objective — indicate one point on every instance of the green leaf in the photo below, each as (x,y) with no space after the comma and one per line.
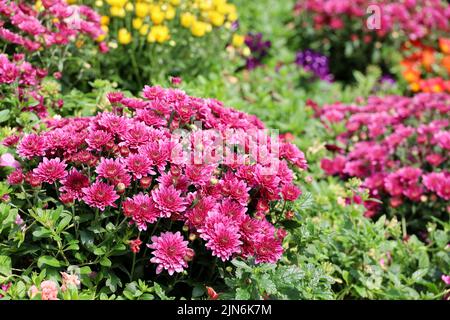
(87,238)
(4,115)
(419,274)
(48,260)
(242,294)
(105,262)
(63,223)
(100,251)
(198,291)
(241,264)
(160,292)
(42,232)
(5,265)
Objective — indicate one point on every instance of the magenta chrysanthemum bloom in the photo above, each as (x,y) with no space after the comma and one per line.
(169,253)
(74,183)
(113,170)
(290,192)
(142,210)
(268,250)
(139,166)
(100,195)
(168,200)
(222,236)
(97,139)
(31,146)
(51,170)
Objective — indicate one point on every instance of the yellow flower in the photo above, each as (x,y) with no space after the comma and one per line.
(117,12)
(237,40)
(38,6)
(225,8)
(187,19)
(117,3)
(216,18)
(141,9)
(246,51)
(232,16)
(129,6)
(144,29)
(98,3)
(137,23)
(198,28)
(102,37)
(414,86)
(104,20)
(124,36)
(157,16)
(158,34)
(170,13)
(175,2)
(205,5)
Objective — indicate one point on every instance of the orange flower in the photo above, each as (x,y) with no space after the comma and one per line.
(428,58)
(411,75)
(446,63)
(444,44)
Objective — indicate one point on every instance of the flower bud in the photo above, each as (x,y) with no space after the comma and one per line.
(124,151)
(120,188)
(192,237)
(289,215)
(145,182)
(189,255)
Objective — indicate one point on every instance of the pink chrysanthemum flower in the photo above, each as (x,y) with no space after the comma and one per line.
(168,200)
(97,139)
(138,165)
(290,192)
(51,170)
(100,195)
(142,210)
(74,183)
(113,170)
(113,123)
(31,146)
(16,177)
(169,253)
(268,250)
(222,236)
(49,290)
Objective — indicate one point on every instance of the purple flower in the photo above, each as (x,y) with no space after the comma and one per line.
(315,63)
(259,49)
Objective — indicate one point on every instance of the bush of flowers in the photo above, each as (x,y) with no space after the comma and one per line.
(355,34)
(49,33)
(399,147)
(143,192)
(425,68)
(162,38)
(37,39)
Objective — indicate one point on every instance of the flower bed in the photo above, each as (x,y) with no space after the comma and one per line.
(399,147)
(147,175)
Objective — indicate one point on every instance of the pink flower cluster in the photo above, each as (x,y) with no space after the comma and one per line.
(55,24)
(23,80)
(398,146)
(133,154)
(415,18)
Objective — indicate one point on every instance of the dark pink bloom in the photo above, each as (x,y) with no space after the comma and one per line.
(51,170)
(168,200)
(138,165)
(169,252)
(290,192)
(100,195)
(74,183)
(31,146)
